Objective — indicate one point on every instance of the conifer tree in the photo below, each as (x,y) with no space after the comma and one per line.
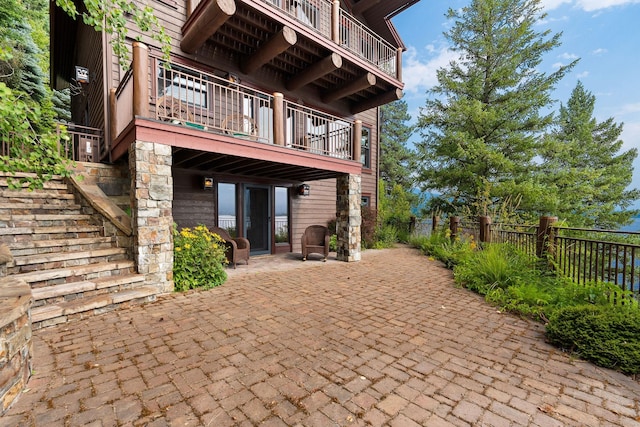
(585,167)
(397,161)
(481,123)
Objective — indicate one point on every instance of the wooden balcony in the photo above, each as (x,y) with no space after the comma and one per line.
(312,48)
(228,124)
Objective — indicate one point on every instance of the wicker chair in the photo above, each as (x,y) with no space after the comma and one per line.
(315,240)
(173,109)
(238,248)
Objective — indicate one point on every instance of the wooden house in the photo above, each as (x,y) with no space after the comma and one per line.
(265,122)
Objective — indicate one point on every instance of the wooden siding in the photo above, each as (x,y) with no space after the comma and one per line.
(317,208)
(369,176)
(191,204)
(89,110)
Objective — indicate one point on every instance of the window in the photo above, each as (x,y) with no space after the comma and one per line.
(182,84)
(365,147)
(227,208)
(282,215)
(365,201)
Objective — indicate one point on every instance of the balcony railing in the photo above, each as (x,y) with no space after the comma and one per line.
(343,28)
(199,100)
(78,143)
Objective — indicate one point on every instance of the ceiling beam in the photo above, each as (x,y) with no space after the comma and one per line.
(364,5)
(383,98)
(316,71)
(205,22)
(350,88)
(280,42)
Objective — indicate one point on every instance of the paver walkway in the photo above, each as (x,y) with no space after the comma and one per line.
(386,341)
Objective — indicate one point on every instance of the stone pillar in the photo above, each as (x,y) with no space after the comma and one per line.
(349,217)
(152,217)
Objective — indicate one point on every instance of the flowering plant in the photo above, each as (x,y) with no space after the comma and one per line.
(198,258)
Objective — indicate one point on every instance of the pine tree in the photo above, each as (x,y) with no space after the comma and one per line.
(584,166)
(397,161)
(481,124)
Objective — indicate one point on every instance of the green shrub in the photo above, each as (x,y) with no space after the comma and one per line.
(333,242)
(439,246)
(496,266)
(609,336)
(386,237)
(198,259)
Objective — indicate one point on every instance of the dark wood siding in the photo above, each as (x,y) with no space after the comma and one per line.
(191,204)
(318,208)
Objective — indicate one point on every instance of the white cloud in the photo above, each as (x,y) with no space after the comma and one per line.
(419,74)
(553,4)
(558,65)
(583,75)
(568,56)
(630,109)
(599,51)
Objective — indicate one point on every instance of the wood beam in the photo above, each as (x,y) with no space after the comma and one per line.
(280,42)
(384,98)
(357,85)
(315,71)
(205,23)
(364,5)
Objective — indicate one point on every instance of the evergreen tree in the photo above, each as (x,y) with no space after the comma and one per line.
(481,125)
(397,161)
(585,168)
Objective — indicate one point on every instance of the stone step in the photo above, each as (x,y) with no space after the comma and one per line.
(57,183)
(52,314)
(76,273)
(51,197)
(43,220)
(35,247)
(24,208)
(58,229)
(67,256)
(73,288)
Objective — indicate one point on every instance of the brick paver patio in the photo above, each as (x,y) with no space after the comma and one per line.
(386,341)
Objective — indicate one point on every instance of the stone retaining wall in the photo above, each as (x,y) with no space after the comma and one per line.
(15,339)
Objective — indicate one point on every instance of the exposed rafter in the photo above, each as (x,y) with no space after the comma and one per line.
(350,88)
(277,44)
(315,71)
(384,98)
(204,23)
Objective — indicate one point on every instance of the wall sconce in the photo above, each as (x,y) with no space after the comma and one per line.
(207,183)
(303,190)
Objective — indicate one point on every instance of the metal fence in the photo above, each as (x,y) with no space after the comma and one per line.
(583,255)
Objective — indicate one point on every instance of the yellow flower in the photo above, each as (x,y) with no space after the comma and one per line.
(178,249)
(187,246)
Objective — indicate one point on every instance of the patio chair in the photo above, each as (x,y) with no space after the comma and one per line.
(315,240)
(238,248)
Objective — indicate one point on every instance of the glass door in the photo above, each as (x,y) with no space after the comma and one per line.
(257,218)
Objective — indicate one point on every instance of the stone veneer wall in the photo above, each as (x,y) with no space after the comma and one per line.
(349,217)
(152,218)
(15,339)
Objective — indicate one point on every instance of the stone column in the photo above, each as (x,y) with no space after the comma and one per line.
(349,217)
(152,217)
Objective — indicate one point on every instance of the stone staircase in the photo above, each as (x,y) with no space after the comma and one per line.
(73,269)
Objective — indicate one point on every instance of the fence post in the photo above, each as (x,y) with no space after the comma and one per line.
(454,222)
(544,240)
(435,219)
(485,229)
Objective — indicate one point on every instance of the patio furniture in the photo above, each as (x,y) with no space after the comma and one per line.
(315,240)
(238,248)
(240,126)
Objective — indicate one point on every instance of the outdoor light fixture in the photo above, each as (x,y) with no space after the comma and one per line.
(207,183)
(82,75)
(303,190)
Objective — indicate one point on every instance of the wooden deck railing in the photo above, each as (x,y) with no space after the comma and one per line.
(77,143)
(193,98)
(327,18)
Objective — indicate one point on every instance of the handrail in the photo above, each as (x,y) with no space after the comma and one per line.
(353,35)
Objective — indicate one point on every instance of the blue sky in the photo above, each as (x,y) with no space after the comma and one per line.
(604,34)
